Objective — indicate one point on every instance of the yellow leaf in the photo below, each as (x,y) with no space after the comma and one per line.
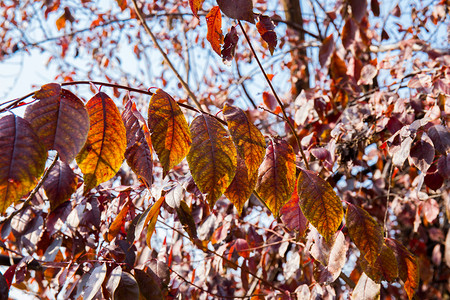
(319,203)
(103,153)
(212,158)
(170,133)
(151,219)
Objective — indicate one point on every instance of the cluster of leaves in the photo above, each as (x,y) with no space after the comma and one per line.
(354,170)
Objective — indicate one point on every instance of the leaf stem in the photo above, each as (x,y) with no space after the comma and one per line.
(166,58)
(286,119)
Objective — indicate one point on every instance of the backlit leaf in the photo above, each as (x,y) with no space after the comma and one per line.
(196,5)
(440,135)
(348,32)
(385,267)
(422,153)
(326,49)
(212,158)
(408,266)
(229,47)
(365,232)
(214,23)
(122,4)
(319,203)
(151,218)
(242,186)
(359,8)
(103,153)
(366,289)
(60,120)
(171,137)
(276,176)
(248,139)
(148,286)
(269,101)
(185,216)
(237,9)
(94,282)
(22,159)
(60,184)
(118,222)
(292,215)
(266,28)
(139,150)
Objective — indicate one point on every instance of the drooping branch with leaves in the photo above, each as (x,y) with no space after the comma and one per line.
(230,178)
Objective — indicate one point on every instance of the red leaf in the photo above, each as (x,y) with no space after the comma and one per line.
(229,47)
(237,9)
(60,184)
(359,8)
(269,101)
(292,216)
(326,49)
(375,6)
(422,153)
(139,151)
(266,28)
(440,135)
(214,23)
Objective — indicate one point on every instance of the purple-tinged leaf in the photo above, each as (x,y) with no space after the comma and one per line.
(266,28)
(237,9)
(60,184)
(229,46)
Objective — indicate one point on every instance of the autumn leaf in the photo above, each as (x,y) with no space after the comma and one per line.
(238,9)
(266,28)
(246,136)
(151,218)
(408,266)
(326,49)
(229,47)
(60,184)
(103,153)
(348,32)
(366,289)
(276,177)
(292,215)
(359,8)
(385,267)
(319,203)
(122,4)
(365,232)
(269,101)
(22,159)
(118,222)
(422,153)
(139,151)
(214,24)
(196,5)
(169,130)
(212,158)
(60,120)
(241,188)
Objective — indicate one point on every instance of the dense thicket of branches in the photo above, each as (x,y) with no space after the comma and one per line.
(227,149)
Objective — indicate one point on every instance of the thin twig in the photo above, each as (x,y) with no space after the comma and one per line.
(164,55)
(387,200)
(16,102)
(286,119)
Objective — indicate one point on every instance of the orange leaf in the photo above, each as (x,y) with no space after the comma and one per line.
(171,137)
(196,5)
(151,219)
(60,184)
(103,153)
(214,23)
(408,266)
(139,150)
(60,120)
(212,158)
(61,22)
(22,159)
(276,177)
(118,222)
(320,204)
(122,4)
(241,188)
(365,232)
